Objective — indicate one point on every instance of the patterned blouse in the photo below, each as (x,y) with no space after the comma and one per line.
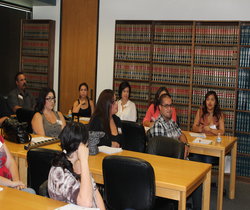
(4,171)
(63,186)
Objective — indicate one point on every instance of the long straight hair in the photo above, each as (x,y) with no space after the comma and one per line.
(217,110)
(102,109)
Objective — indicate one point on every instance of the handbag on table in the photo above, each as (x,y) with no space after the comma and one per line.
(15,131)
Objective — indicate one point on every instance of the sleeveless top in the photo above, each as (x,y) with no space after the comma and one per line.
(4,171)
(52,129)
(85,112)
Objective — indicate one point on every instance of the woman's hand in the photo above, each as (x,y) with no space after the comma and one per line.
(207,128)
(115,144)
(18,185)
(83,152)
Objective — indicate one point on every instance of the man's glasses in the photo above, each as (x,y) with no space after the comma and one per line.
(51,99)
(167,105)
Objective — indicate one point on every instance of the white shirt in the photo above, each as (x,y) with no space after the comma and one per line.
(128,112)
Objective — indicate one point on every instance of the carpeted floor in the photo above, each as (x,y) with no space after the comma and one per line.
(241,201)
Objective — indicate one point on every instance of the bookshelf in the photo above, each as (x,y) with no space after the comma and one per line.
(37,42)
(189,58)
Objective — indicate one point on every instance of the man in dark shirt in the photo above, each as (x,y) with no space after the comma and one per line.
(20,97)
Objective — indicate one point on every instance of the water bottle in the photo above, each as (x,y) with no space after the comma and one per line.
(218,138)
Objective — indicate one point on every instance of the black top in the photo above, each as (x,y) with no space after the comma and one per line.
(85,112)
(96,125)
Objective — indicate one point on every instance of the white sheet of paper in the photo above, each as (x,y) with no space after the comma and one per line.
(84,119)
(202,141)
(109,150)
(201,135)
(74,207)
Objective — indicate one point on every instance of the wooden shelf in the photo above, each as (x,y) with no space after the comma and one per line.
(213,86)
(132,61)
(245,111)
(215,44)
(243,154)
(173,43)
(169,83)
(133,42)
(172,63)
(242,132)
(219,66)
(127,79)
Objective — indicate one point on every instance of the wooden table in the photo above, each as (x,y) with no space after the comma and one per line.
(175,179)
(227,145)
(15,199)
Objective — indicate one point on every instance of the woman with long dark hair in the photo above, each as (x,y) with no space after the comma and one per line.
(104,119)
(209,119)
(69,178)
(83,106)
(126,108)
(153,111)
(46,121)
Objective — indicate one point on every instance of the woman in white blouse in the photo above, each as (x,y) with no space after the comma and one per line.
(126,108)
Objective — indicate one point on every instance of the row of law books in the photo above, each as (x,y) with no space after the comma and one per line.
(34,64)
(34,47)
(211,55)
(226,97)
(172,53)
(242,122)
(35,31)
(244,78)
(244,57)
(182,114)
(243,100)
(214,76)
(139,90)
(243,166)
(216,34)
(171,73)
(141,108)
(245,35)
(229,119)
(133,32)
(243,143)
(126,51)
(173,33)
(37,80)
(128,70)
(179,94)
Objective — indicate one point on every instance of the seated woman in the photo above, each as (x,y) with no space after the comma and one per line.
(126,108)
(69,177)
(104,119)
(46,121)
(83,106)
(9,175)
(153,111)
(209,120)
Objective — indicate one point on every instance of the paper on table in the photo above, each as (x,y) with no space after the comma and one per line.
(74,207)
(109,150)
(38,139)
(1,189)
(84,119)
(202,141)
(201,135)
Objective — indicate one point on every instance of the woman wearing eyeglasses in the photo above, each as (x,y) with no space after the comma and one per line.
(104,119)
(46,121)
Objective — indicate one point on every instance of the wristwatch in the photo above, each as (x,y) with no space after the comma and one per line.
(187,144)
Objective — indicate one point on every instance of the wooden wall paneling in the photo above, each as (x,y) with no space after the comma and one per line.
(79,23)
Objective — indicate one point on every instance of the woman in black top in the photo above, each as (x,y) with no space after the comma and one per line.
(83,106)
(104,119)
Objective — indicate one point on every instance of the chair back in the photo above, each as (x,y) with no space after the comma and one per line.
(134,136)
(165,146)
(129,183)
(39,164)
